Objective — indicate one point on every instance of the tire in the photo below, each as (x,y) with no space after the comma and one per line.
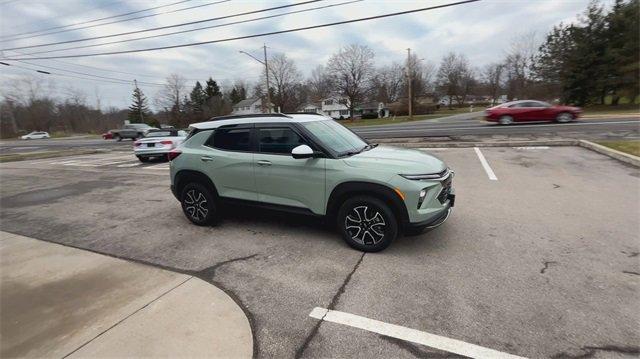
(117,138)
(505,120)
(198,204)
(143,159)
(377,226)
(564,117)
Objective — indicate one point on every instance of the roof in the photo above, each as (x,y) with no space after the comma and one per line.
(246,102)
(261,118)
(370,104)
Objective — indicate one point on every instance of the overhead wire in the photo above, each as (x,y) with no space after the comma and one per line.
(271,33)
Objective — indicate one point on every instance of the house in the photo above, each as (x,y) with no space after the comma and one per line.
(311,107)
(250,106)
(372,109)
(336,107)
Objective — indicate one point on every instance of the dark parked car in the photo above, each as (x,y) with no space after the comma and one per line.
(531,110)
(132,131)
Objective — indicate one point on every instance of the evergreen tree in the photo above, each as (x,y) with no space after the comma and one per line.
(139,110)
(212,89)
(197,99)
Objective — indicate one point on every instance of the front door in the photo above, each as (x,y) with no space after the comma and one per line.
(282,179)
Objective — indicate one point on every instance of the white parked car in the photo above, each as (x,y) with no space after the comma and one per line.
(35,135)
(158,143)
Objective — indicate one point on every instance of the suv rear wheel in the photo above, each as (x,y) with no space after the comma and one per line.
(198,204)
(367,224)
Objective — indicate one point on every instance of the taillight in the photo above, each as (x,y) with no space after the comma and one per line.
(137,143)
(166,142)
(173,154)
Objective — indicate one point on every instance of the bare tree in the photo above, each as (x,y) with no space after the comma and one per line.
(284,76)
(387,84)
(519,64)
(169,98)
(351,70)
(454,77)
(319,84)
(492,76)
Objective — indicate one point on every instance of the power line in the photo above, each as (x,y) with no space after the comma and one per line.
(196,29)
(119,21)
(254,35)
(86,74)
(166,27)
(90,21)
(124,72)
(120,82)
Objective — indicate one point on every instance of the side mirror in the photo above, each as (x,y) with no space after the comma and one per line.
(302,151)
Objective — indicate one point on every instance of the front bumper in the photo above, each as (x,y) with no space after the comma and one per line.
(437,218)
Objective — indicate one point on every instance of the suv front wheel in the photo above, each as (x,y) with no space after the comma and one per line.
(198,204)
(367,223)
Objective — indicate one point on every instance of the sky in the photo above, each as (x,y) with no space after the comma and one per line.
(482,31)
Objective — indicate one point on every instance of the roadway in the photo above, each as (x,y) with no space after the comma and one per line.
(467,125)
(449,128)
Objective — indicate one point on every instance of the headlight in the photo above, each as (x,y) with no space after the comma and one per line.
(427,176)
(423,195)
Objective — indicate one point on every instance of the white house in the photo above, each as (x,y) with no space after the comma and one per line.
(311,107)
(248,106)
(336,107)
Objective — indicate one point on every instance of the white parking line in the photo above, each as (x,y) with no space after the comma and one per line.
(532,148)
(411,335)
(130,165)
(485,165)
(161,166)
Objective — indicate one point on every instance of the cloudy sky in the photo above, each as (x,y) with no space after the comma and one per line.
(480,30)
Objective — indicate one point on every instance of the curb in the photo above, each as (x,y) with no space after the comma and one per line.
(615,154)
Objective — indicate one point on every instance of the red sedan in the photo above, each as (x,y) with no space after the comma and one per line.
(107,135)
(531,110)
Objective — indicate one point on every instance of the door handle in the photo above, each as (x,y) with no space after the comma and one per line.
(206,158)
(264,163)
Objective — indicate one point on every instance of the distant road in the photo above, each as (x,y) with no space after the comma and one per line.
(22,146)
(465,124)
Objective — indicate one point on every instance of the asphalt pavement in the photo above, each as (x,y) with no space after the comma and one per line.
(539,260)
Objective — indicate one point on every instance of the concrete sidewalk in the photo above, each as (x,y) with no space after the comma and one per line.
(57,301)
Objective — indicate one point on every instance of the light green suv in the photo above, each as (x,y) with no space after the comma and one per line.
(308,163)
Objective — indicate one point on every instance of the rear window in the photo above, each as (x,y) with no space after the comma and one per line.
(162,134)
(231,139)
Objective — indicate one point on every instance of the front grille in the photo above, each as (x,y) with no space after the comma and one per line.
(446,189)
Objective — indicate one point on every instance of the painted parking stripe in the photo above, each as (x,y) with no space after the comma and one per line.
(485,165)
(162,166)
(130,165)
(411,335)
(532,148)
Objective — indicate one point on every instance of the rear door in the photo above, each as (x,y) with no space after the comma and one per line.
(282,179)
(228,161)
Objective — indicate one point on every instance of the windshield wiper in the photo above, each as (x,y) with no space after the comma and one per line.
(365,148)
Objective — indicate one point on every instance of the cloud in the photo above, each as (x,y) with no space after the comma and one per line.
(480,30)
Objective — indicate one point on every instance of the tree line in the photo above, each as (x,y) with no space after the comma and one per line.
(592,61)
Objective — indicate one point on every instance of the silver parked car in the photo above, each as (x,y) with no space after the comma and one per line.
(157,143)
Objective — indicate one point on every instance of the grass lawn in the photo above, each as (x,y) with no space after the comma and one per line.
(614,110)
(399,119)
(630,147)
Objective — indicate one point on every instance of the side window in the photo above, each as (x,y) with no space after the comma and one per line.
(278,140)
(230,139)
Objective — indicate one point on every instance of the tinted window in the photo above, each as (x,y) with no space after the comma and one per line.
(231,139)
(278,140)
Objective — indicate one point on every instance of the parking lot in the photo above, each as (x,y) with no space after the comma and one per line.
(539,259)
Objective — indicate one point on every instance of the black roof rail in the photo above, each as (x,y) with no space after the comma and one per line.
(253,115)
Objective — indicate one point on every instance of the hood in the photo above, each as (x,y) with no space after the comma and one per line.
(398,160)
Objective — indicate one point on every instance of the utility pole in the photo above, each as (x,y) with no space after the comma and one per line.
(266,68)
(410,97)
(138,100)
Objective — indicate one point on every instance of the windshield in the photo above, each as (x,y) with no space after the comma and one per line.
(335,137)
